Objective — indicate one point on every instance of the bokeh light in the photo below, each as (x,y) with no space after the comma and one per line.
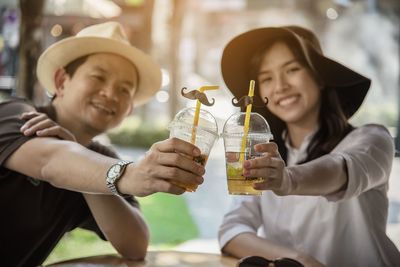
(331,13)
(56,30)
(162,96)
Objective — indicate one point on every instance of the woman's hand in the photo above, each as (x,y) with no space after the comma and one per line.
(271,167)
(304,260)
(41,125)
(309,261)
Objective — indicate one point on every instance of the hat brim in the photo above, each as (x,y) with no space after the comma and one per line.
(351,86)
(61,53)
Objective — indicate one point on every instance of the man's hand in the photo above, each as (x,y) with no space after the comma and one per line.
(166,164)
(41,125)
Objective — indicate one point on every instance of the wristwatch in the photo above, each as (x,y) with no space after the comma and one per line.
(114,173)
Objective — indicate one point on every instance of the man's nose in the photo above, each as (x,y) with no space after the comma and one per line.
(109,91)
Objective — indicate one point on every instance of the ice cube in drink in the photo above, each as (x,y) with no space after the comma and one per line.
(237,183)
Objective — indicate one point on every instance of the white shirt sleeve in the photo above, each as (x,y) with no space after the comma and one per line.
(243,216)
(368,152)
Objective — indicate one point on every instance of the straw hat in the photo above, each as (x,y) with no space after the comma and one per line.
(351,87)
(108,37)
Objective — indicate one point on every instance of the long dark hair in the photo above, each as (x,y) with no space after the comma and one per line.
(333,124)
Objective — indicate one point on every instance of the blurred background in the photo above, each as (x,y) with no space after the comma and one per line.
(187,38)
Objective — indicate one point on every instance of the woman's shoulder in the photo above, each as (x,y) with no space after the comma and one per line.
(371,129)
(369,135)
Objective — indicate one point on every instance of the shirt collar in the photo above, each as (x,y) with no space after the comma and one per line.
(295,155)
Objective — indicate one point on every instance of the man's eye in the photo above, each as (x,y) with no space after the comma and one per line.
(125,90)
(98,78)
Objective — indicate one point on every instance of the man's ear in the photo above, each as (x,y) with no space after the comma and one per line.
(130,108)
(59,78)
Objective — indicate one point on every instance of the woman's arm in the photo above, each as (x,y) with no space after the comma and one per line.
(238,234)
(362,161)
(322,176)
(40,124)
(249,244)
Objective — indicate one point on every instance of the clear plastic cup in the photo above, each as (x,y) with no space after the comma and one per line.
(206,133)
(233,132)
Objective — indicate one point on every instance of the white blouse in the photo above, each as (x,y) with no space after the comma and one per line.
(343,229)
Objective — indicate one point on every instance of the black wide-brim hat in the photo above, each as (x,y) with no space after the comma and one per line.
(351,87)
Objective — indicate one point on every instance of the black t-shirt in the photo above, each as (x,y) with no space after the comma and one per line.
(34,214)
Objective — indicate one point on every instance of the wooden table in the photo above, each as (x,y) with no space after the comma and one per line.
(154,259)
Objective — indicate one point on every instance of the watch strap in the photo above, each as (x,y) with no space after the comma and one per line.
(112,185)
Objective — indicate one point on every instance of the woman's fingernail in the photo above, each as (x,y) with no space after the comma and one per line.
(196,152)
(23,128)
(246,164)
(200,179)
(201,170)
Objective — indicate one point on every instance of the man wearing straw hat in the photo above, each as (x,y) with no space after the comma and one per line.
(49,185)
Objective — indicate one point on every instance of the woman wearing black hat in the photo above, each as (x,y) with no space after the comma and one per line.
(325,200)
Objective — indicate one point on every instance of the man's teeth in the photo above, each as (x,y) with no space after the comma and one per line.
(288,101)
(103,108)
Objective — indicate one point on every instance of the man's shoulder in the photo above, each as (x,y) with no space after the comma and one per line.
(15,105)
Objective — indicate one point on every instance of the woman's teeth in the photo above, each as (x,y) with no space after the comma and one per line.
(287,101)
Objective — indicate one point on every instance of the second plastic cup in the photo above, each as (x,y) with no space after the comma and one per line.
(205,133)
(233,132)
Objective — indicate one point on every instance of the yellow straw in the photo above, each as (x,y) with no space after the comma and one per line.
(197,111)
(246,122)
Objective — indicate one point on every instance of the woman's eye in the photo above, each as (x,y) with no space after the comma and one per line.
(293,69)
(265,80)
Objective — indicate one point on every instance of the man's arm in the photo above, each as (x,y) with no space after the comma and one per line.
(122,224)
(71,166)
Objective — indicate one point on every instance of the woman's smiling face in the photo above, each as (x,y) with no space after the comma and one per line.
(293,93)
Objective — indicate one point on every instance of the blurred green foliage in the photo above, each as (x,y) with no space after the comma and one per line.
(134,133)
(79,243)
(376,113)
(3,96)
(169,219)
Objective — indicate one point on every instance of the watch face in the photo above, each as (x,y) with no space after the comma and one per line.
(114,172)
